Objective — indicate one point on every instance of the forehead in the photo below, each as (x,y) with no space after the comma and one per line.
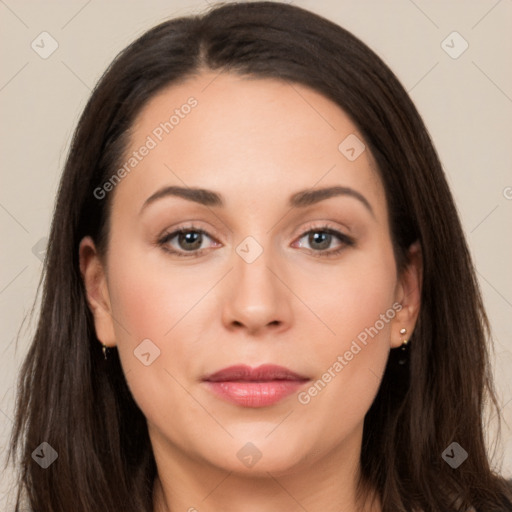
(245,136)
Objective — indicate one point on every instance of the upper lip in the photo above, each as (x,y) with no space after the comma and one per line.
(265,372)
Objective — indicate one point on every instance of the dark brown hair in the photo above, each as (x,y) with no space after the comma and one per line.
(70,397)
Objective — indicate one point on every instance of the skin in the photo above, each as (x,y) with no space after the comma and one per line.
(256,142)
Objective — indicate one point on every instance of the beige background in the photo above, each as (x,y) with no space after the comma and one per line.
(466,103)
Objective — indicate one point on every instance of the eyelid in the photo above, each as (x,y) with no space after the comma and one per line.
(323,226)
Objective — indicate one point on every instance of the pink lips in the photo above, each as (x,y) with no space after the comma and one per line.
(254,387)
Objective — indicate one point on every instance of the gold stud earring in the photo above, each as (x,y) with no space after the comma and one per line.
(404,331)
(403,359)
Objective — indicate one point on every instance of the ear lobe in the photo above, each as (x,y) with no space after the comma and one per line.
(95,283)
(408,295)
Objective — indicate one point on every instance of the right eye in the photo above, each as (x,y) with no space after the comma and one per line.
(186,240)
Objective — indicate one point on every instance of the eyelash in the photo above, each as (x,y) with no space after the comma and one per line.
(346,241)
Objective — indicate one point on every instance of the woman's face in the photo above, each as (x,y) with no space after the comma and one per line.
(268,271)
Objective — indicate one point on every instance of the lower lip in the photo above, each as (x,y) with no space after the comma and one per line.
(255,394)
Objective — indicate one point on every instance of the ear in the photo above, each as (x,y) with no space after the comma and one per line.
(95,282)
(408,295)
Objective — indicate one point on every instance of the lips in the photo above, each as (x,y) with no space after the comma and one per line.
(254,387)
(263,373)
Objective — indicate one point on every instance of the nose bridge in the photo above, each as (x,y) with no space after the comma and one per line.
(254,281)
(258,298)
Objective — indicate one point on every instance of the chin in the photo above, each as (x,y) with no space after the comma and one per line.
(257,459)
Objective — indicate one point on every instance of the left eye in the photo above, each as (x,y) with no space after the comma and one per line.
(320,240)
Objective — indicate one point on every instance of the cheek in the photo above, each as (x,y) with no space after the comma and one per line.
(149,296)
(355,304)
(150,309)
(351,296)
(142,304)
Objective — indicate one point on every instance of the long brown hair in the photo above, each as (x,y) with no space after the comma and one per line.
(78,403)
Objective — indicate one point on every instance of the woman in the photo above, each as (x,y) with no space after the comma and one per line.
(257,291)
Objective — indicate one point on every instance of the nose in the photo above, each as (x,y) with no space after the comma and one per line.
(256,298)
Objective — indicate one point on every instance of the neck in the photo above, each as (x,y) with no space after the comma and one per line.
(327,484)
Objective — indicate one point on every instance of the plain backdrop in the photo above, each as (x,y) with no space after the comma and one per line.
(465,98)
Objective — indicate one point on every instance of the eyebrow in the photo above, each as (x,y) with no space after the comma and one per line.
(300,199)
